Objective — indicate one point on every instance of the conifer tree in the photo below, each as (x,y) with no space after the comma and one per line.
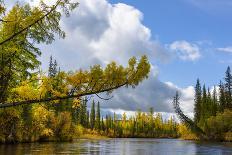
(92,115)
(98,117)
(198,102)
(222,99)
(102,125)
(203,104)
(50,67)
(228,87)
(87,119)
(214,102)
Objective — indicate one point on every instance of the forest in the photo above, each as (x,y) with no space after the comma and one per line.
(212,110)
(36,105)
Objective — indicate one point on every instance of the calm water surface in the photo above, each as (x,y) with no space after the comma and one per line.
(125,146)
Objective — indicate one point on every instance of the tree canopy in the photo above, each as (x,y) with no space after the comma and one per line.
(22,28)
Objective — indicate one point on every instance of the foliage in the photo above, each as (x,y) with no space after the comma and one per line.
(61,111)
(212,111)
(217,126)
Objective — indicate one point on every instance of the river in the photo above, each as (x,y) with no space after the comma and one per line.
(123,146)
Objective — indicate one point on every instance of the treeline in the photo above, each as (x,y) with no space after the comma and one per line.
(141,125)
(213,110)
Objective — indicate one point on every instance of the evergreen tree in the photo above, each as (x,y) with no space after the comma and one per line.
(102,125)
(209,105)
(87,119)
(228,87)
(222,99)
(203,105)
(98,117)
(198,102)
(82,113)
(54,69)
(50,69)
(92,115)
(214,102)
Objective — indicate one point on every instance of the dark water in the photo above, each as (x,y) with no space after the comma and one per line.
(127,146)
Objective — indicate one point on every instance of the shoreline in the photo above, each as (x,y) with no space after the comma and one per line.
(100,137)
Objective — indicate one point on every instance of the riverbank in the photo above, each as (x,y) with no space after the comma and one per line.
(94,137)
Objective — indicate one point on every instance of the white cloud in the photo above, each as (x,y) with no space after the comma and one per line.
(151,93)
(225,49)
(186,50)
(186,97)
(98,32)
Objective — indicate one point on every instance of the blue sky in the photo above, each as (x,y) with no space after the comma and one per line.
(171,20)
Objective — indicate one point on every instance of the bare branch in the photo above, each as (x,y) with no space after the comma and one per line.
(104,98)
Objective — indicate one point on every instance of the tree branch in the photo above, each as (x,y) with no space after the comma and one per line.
(30,25)
(5,105)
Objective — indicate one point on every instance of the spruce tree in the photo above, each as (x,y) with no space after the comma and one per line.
(222,98)
(87,119)
(214,102)
(50,67)
(92,115)
(98,117)
(203,105)
(102,124)
(228,87)
(198,102)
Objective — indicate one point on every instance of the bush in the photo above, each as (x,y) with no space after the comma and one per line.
(219,125)
(185,133)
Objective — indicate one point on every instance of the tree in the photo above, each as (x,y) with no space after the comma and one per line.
(19,54)
(21,29)
(214,102)
(228,87)
(92,115)
(52,70)
(98,117)
(82,113)
(198,102)
(186,120)
(222,99)
(24,27)
(97,80)
(203,105)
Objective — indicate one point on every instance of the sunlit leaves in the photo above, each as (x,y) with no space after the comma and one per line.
(76,103)
(25,27)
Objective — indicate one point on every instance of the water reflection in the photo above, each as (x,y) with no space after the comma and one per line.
(119,146)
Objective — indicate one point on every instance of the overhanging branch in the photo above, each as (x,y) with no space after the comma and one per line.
(5,105)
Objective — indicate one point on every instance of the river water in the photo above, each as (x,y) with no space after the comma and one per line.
(122,146)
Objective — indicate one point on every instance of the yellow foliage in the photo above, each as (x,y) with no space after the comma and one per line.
(76,103)
(228,136)
(185,133)
(47,132)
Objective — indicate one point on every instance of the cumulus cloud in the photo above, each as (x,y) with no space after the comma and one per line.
(225,49)
(99,32)
(185,50)
(151,93)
